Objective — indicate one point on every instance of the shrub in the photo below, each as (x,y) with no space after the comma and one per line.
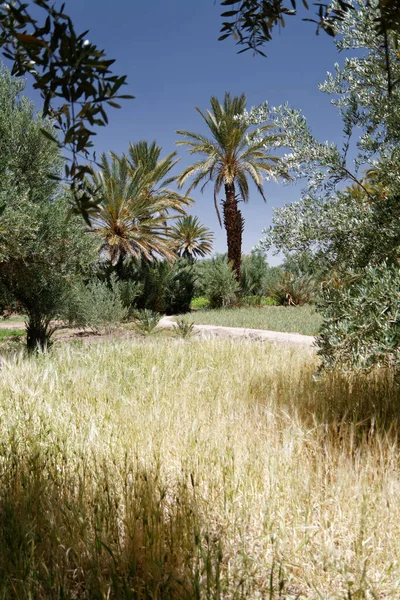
(41,249)
(184,329)
(130,291)
(253,272)
(167,288)
(271,277)
(290,290)
(268,301)
(96,305)
(255,300)
(180,289)
(200,302)
(146,321)
(220,283)
(361,326)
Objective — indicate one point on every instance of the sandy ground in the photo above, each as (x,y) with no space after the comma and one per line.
(200,331)
(12,324)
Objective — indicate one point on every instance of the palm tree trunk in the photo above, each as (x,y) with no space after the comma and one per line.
(234,223)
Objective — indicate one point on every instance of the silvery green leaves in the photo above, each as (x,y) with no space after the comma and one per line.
(251,22)
(320,163)
(362,321)
(360,91)
(352,233)
(345,232)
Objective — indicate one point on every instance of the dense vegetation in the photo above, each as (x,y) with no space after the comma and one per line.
(161,466)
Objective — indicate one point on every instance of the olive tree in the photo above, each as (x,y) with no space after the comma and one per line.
(352,233)
(42,251)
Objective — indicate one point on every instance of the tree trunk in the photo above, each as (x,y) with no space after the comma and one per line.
(234,224)
(38,332)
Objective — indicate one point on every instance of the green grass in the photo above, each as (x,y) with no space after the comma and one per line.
(171,469)
(299,319)
(199,302)
(6,334)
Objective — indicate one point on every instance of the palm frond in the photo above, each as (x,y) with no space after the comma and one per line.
(191,238)
(235,152)
(135,204)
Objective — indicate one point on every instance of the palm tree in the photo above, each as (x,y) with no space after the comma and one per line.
(227,158)
(135,204)
(191,239)
(144,163)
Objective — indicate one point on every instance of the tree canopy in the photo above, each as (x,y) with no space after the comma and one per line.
(351,231)
(251,22)
(234,153)
(41,250)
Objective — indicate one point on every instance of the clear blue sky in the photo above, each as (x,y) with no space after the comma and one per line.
(170,52)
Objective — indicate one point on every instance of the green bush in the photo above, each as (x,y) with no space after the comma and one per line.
(258,300)
(167,288)
(184,329)
(41,249)
(97,305)
(361,326)
(180,290)
(200,302)
(220,283)
(268,301)
(290,290)
(271,277)
(254,300)
(130,291)
(254,271)
(146,321)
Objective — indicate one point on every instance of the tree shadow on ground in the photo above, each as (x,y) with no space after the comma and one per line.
(368,403)
(97,528)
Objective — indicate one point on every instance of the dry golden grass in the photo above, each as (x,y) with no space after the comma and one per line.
(197,469)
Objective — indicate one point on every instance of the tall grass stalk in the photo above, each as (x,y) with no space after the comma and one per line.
(210,469)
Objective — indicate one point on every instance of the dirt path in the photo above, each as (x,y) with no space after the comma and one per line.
(12,324)
(203,331)
(206,331)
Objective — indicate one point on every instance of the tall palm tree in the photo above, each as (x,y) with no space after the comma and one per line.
(136,204)
(227,158)
(191,239)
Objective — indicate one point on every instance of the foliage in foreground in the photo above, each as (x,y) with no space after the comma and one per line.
(362,322)
(42,252)
(66,67)
(142,482)
(352,234)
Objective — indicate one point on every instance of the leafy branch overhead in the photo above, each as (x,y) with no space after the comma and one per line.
(250,22)
(73,76)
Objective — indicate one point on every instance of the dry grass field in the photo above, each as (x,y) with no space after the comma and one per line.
(170,469)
